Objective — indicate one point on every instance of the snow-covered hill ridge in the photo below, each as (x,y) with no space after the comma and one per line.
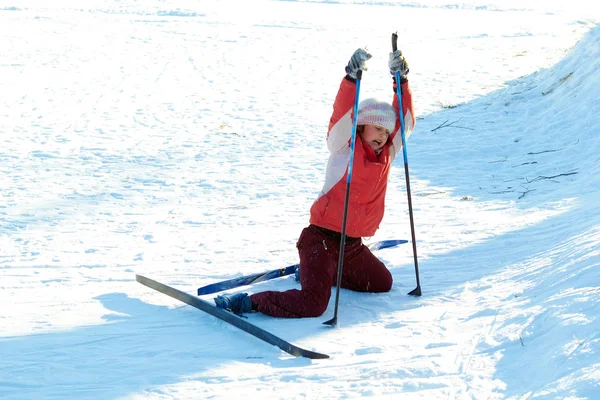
(539,128)
(535,144)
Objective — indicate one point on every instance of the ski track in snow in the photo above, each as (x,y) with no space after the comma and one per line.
(185,141)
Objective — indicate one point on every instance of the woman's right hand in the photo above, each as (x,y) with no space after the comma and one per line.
(357,62)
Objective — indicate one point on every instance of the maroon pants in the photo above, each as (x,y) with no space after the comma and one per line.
(319,254)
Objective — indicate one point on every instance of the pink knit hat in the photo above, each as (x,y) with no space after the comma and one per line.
(375,112)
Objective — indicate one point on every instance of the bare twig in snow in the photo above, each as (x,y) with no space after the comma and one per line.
(527,190)
(539,178)
(557,84)
(441,126)
(451,124)
(527,163)
(542,152)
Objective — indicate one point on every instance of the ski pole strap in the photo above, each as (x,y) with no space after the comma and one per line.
(355,117)
(399,94)
(401,115)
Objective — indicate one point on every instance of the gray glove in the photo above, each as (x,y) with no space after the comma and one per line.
(357,61)
(397,63)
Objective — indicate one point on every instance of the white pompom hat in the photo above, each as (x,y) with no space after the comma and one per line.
(375,112)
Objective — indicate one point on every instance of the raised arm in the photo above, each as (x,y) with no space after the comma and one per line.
(340,124)
(397,63)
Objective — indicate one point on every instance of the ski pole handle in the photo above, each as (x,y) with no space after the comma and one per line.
(394,41)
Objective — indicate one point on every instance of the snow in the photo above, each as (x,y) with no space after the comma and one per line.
(184,141)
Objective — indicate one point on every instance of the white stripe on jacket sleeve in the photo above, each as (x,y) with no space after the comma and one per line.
(340,134)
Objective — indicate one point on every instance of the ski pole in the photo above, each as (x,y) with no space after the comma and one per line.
(333,321)
(417,290)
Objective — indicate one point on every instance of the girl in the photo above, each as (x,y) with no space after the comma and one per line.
(377,144)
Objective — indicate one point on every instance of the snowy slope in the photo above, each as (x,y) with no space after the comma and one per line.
(534,144)
(185,141)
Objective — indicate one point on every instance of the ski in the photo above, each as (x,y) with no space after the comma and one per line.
(229,318)
(277,273)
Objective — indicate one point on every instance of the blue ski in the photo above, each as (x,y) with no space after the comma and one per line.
(229,318)
(276,273)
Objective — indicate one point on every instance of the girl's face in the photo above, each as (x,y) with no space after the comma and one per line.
(376,136)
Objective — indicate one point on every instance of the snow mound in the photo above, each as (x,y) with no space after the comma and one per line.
(534,145)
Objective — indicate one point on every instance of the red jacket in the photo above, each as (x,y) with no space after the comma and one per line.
(369,173)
